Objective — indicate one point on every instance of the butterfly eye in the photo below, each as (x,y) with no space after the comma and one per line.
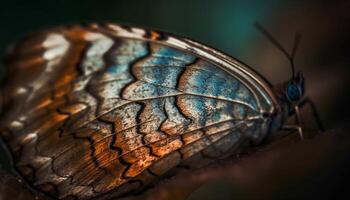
(293,92)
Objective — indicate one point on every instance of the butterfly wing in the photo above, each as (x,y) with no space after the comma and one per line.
(103,110)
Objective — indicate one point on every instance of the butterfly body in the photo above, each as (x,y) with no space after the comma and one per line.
(102,110)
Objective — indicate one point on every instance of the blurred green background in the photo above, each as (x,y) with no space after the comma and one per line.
(323,55)
(225,24)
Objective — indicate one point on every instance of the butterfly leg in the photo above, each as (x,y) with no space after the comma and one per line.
(295,128)
(298,126)
(298,118)
(314,112)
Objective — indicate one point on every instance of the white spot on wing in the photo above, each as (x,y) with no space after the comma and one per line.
(21,90)
(93,60)
(22,118)
(138,31)
(16,125)
(134,33)
(29,137)
(56,46)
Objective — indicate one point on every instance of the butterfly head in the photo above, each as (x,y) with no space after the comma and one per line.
(294,89)
(289,94)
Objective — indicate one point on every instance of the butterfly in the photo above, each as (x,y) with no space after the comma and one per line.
(102,110)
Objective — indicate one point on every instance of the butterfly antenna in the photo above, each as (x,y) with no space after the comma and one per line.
(280,47)
(297,38)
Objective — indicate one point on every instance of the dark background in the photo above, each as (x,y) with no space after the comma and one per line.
(323,54)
